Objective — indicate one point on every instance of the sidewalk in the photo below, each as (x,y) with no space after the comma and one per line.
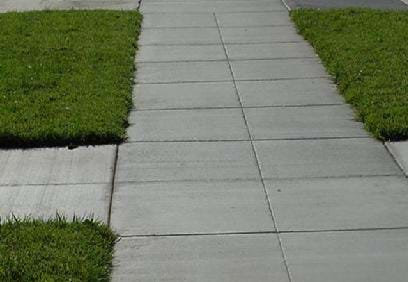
(243,163)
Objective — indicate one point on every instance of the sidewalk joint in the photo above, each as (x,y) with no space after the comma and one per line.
(227,43)
(199,27)
(224,60)
(263,232)
(254,152)
(115,164)
(237,107)
(230,80)
(247,140)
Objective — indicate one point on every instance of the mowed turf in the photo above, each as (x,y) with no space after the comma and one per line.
(66,76)
(55,250)
(367,53)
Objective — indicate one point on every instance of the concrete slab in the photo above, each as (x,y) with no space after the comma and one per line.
(269,51)
(163,20)
(182,72)
(299,92)
(253,19)
(328,4)
(260,34)
(185,95)
(57,165)
(375,256)
(190,208)
(44,201)
(165,53)
(303,122)
(278,69)
(180,36)
(207,6)
(400,152)
(178,161)
(28,5)
(199,258)
(189,1)
(186,125)
(324,158)
(339,203)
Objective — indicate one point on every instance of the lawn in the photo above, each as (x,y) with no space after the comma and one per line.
(66,77)
(55,250)
(366,51)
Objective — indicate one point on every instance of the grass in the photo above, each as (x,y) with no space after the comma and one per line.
(55,250)
(66,76)
(367,53)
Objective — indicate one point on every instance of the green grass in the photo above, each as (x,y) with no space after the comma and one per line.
(367,53)
(66,76)
(55,250)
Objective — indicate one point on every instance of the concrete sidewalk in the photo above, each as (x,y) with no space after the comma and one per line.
(331,4)
(243,163)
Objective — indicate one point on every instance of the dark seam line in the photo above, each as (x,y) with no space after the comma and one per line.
(231,180)
(326,78)
(296,178)
(395,160)
(115,164)
(235,107)
(214,27)
(199,234)
(231,60)
(245,107)
(307,58)
(204,180)
(265,232)
(254,151)
(214,43)
(53,184)
(212,12)
(246,140)
(230,80)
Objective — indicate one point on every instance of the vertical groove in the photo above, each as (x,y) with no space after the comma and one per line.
(394,158)
(139,3)
(254,150)
(115,164)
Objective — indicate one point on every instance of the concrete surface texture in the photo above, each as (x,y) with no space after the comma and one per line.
(327,4)
(400,151)
(243,163)
(43,182)
(30,5)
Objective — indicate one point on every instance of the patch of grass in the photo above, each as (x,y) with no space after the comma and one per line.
(66,76)
(55,250)
(367,53)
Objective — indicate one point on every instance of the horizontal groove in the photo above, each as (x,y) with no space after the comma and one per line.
(398,175)
(55,184)
(247,140)
(238,107)
(265,232)
(209,180)
(211,12)
(230,80)
(232,180)
(231,60)
(199,234)
(206,27)
(220,44)
(226,60)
